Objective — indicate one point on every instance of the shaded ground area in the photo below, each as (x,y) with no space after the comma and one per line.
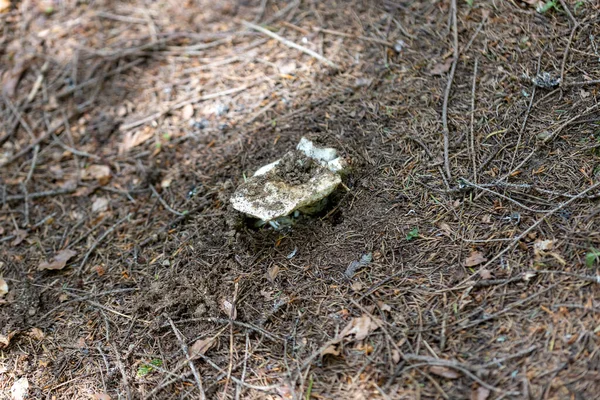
(472,200)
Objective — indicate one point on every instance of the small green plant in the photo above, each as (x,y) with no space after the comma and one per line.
(592,257)
(413,234)
(145,369)
(547,6)
(577,5)
(470,2)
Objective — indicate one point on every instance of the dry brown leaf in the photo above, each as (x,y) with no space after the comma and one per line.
(396,356)
(59,261)
(272,273)
(474,259)
(5,339)
(441,68)
(361,327)
(100,204)
(3,287)
(331,349)
(100,173)
(187,112)
(444,372)
(485,274)
(20,235)
(136,138)
(11,78)
(200,347)
(37,334)
(357,286)
(100,396)
(229,309)
(4,6)
(480,394)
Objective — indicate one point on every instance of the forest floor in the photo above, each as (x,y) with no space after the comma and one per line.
(473,134)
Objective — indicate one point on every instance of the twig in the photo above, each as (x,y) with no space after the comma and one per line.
(39,194)
(186,353)
(447,93)
(502,196)
(472,132)
(100,239)
(356,37)
(121,369)
(566,53)
(291,44)
(175,106)
(164,203)
(524,233)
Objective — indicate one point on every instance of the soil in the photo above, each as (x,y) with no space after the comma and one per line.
(126,126)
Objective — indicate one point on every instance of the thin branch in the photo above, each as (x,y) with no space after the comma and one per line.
(447,93)
(291,44)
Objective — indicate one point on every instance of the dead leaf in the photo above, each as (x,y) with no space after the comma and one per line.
(81,343)
(331,349)
(136,138)
(272,273)
(11,78)
(4,6)
(485,274)
(474,259)
(100,204)
(37,334)
(361,327)
(480,394)
(100,396)
(229,309)
(100,173)
(20,389)
(187,112)
(444,372)
(3,287)
(441,68)
(5,339)
(20,235)
(59,261)
(384,306)
(357,286)
(542,246)
(396,356)
(200,347)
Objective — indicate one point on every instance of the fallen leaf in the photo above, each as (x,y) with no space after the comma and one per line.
(37,334)
(20,235)
(100,204)
(200,347)
(444,372)
(395,356)
(187,112)
(485,274)
(441,68)
(100,173)
(4,6)
(331,349)
(361,327)
(133,139)
(480,394)
(541,246)
(20,389)
(100,396)
(272,273)
(3,287)
(474,259)
(357,286)
(384,306)
(229,309)
(5,339)
(11,78)
(59,261)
